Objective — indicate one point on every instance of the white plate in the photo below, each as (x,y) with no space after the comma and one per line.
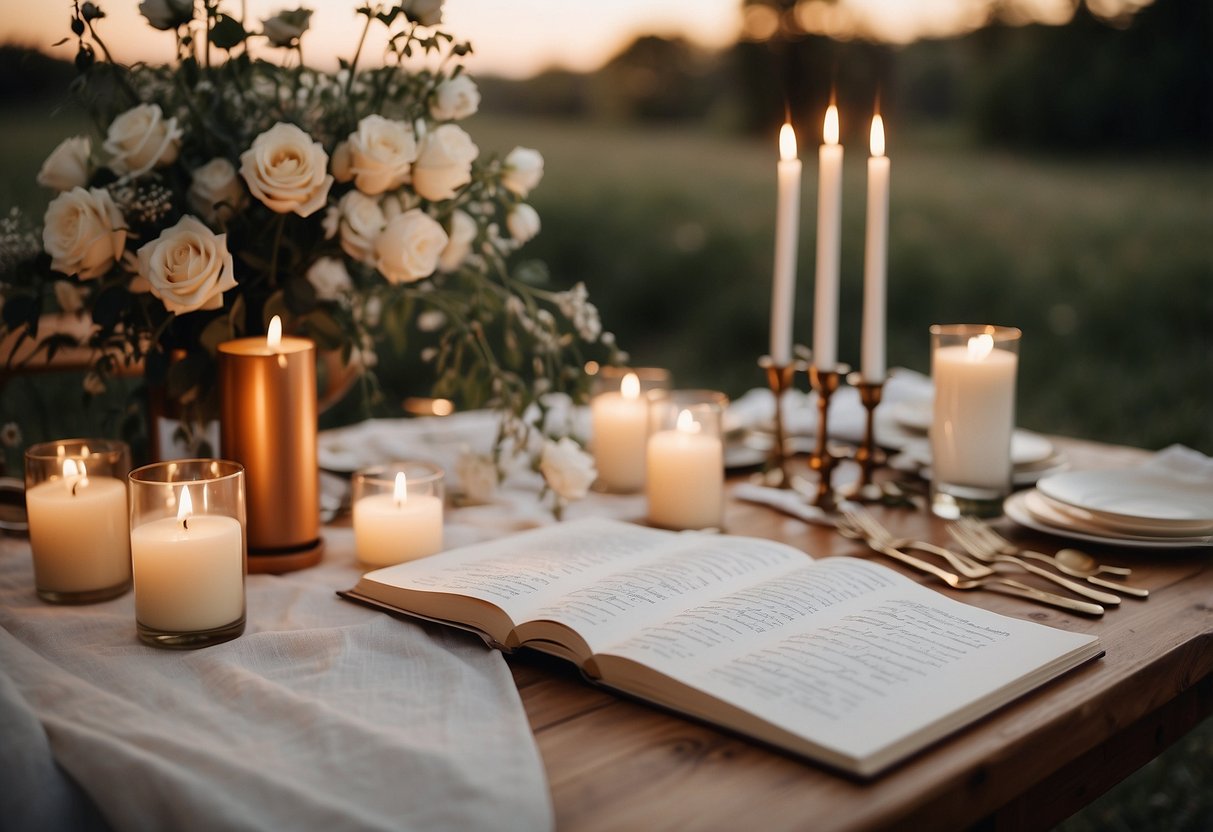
(913,415)
(1015,508)
(1135,494)
(1059,513)
(1027,448)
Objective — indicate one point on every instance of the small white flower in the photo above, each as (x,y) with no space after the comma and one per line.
(409,246)
(329,278)
(188,267)
(567,469)
(477,475)
(522,171)
(455,98)
(10,435)
(431,320)
(140,139)
(83,232)
(287,171)
(462,232)
(285,28)
(69,297)
(215,191)
(523,222)
(67,166)
(444,162)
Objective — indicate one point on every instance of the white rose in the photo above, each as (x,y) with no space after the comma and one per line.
(361,221)
(425,12)
(140,139)
(444,162)
(285,28)
(523,222)
(166,15)
(522,170)
(567,469)
(329,278)
(381,151)
(340,163)
(455,98)
(215,190)
(462,232)
(69,297)
(477,474)
(409,247)
(83,232)
(286,170)
(67,166)
(188,267)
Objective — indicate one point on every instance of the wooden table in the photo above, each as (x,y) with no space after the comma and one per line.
(617,764)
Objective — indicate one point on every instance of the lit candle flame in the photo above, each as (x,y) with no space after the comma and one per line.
(687,423)
(630,386)
(74,474)
(877,140)
(980,346)
(400,491)
(787,143)
(273,335)
(830,132)
(185,509)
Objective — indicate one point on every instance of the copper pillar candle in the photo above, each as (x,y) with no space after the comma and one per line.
(268,418)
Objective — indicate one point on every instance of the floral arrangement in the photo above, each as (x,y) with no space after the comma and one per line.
(227,189)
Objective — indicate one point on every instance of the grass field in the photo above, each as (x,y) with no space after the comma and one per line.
(1106,264)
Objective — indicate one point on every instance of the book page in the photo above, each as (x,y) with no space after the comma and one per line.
(848,653)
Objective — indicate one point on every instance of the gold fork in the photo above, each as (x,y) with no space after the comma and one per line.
(979,548)
(866,527)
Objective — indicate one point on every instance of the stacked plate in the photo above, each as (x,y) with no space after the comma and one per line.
(1129,507)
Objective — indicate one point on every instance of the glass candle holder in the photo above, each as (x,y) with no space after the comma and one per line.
(973,368)
(684,461)
(189,551)
(619,424)
(75,501)
(397,510)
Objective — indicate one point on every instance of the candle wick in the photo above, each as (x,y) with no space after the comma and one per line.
(76,485)
(185,523)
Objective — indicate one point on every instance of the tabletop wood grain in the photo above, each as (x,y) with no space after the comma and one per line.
(618,764)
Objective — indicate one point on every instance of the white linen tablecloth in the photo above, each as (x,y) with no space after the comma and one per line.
(323,715)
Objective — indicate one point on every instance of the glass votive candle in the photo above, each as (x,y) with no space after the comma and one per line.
(189,550)
(685,460)
(973,368)
(75,501)
(397,510)
(619,424)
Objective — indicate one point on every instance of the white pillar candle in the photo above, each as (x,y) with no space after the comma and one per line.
(619,426)
(189,571)
(787,236)
(829,243)
(685,482)
(974,414)
(875,259)
(78,531)
(392,528)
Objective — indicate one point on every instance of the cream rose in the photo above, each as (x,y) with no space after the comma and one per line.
(167,15)
(69,297)
(329,278)
(522,170)
(568,470)
(523,222)
(461,233)
(361,221)
(141,139)
(286,170)
(409,246)
(285,28)
(340,163)
(188,267)
(83,232)
(381,152)
(477,475)
(215,190)
(67,166)
(455,98)
(444,162)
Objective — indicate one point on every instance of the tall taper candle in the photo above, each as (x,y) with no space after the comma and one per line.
(829,241)
(268,424)
(875,259)
(787,235)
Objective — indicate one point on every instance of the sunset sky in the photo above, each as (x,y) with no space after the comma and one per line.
(522,37)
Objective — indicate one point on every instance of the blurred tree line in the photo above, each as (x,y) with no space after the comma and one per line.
(1089,84)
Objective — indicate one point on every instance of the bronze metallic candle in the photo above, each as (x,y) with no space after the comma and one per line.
(268,424)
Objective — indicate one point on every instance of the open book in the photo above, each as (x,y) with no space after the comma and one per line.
(841,660)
